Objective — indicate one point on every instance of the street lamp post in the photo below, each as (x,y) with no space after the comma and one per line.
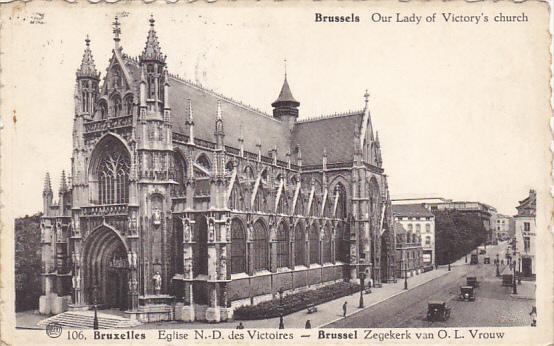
(448,260)
(497,265)
(362,277)
(281,322)
(466,258)
(519,271)
(405,274)
(95,302)
(514,286)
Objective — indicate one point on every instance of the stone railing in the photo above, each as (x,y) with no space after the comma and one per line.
(102,125)
(107,209)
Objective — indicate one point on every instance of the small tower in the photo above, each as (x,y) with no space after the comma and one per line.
(153,61)
(87,84)
(285,107)
(62,194)
(190,123)
(47,195)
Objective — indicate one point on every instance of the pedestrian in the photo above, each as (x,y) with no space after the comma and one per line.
(533,315)
(308,324)
(344,309)
(240,326)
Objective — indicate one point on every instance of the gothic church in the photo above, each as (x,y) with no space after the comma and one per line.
(183,204)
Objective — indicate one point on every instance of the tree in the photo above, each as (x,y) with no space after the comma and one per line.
(457,233)
(27,262)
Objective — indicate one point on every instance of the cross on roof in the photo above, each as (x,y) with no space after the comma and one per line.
(116,28)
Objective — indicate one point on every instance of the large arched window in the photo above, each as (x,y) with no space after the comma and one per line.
(238,247)
(341,244)
(299,245)
(113,176)
(314,244)
(204,161)
(326,245)
(261,246)
(282,240)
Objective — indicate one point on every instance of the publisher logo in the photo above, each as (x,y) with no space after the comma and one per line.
(54,329)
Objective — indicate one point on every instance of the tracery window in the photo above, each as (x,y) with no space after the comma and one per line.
(204,161)
(261,247)
(314,244)
(103,110)
(179,175)
(299,245)
(282,240)
(238,247)
(117,106)
(341,246)
(113,176)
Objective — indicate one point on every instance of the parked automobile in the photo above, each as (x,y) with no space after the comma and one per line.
(437,311)
(474,259)
(472,281)
(487,260)
(467,293)
(507,279)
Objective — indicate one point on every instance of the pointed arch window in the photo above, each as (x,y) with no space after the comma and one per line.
(326,246)
(117,106)
(179,175)
(299,245)
(282,240)
(204,161)
(314,245)
(261,247)
(103,108)
(238,247)
(129,105)
(113,178)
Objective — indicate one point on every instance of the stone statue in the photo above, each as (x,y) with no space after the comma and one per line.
(157,283)
(157,217)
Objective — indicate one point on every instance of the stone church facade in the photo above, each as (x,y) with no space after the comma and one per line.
(184,204)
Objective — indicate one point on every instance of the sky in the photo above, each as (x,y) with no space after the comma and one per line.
(461,109)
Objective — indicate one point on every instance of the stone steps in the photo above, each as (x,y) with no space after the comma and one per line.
(85,320)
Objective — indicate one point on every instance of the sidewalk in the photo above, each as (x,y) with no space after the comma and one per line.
(327,312)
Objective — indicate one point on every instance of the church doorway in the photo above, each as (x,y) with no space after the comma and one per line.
(106,269)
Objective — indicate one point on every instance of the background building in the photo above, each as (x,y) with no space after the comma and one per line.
(504,226)
(408,252)
(525,227)
(418,222)
(179,194)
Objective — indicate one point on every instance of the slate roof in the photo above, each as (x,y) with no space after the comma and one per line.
(285,95)
(335,134)
(410,210)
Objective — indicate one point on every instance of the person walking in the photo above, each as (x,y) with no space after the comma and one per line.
(533,315)
(344,306)
(308,325)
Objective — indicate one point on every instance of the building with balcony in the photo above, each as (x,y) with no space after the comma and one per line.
(184,204)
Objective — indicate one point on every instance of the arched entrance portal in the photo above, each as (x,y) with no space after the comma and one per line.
(106,269)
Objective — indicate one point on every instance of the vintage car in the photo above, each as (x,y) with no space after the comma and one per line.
(487,260)
(437,311)
(472,281)
(467,293)
(474,259)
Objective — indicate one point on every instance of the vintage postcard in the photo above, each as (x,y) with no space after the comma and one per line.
(301,172)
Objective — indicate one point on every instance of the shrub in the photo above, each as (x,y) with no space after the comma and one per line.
(295,302)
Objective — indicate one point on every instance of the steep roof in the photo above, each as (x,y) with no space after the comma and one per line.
(255,125)
(410,210)
(334,133)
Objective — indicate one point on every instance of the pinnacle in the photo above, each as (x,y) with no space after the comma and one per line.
(87,68)
(63,183)
(152,50)
(47,184)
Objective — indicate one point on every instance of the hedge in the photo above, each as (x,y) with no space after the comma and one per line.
(295,302)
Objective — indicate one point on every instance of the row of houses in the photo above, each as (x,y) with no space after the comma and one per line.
(415,230)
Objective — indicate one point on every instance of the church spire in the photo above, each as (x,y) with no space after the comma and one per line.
(87,68)
(63,183)
(152,50)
